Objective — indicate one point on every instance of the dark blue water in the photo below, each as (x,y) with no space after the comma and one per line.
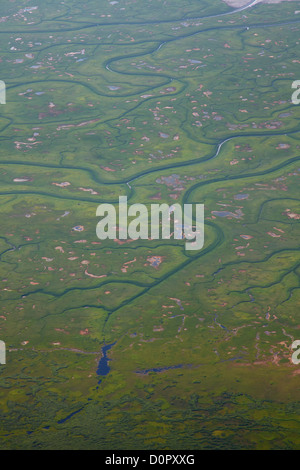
(232,359)
(159,369)
(69,416)
(103,367)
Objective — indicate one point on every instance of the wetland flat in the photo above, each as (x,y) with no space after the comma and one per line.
(142,344)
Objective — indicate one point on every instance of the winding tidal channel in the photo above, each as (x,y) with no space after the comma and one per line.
(128,183)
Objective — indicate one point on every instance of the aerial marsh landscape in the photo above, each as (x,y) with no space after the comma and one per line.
(141,343)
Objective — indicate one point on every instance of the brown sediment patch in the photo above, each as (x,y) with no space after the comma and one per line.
(126,265)
(156,196)
(274,235)
(93,275)
(119,242)
(292,215)
(158,328)
(155,261)
(106,168)
(22,180)
(62,330)
(84,332)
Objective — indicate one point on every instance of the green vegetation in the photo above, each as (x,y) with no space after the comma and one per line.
(165,102)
